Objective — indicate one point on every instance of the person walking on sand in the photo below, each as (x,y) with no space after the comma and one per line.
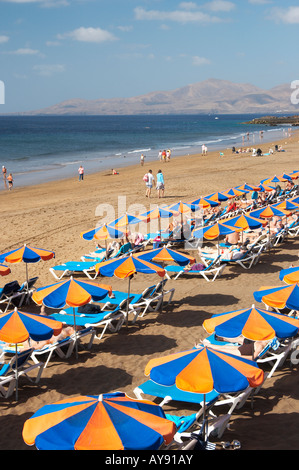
(10,181)
(4,171)
(81,173)
(149,183)
(142,157)
(160,184)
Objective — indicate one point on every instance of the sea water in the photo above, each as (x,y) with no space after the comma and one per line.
(37,149)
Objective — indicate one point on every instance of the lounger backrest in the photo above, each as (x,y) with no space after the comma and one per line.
(160,286)
(22,358)
(148,292)
(11,288)
(273,344)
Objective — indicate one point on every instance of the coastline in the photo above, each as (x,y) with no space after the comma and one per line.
(52,215)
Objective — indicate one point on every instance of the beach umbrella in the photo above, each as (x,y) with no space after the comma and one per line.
(268,212)
(156,214)
(287,205)
(164,255)
(248,187)
(211,232)
(104,232)
(203,369)
(125,220)
(245,222)
(182,207)
(218,197)
(279,297)
(289,275)
(4,270)
(253,323)
(233,192)
(112,421)
(125,268)
(70,293)
(266,188)
(27,254)
(275,179)
(204,203)
(16,327)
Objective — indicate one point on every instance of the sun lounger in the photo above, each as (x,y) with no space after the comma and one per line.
(74,267)
(209,273)
(65,347)
(8,371)
(103,320)
(11,294)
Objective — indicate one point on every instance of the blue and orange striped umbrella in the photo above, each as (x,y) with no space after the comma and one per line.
(279,297)
(211,232)
(245,222)
(289,275)
(16,327)
(126,267)
(4,270)
(110,421)
(164,254)
(70,293)
(28,254)
(102,232)
(202,370)
(253,323)
(268,212)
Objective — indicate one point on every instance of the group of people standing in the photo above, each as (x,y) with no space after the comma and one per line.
(150,181)
(164,155)
(7,179)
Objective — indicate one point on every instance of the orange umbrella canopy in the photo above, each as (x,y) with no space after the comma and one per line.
(128,266)
(4,270)
(28,254)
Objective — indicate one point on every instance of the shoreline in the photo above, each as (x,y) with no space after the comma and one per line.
(60,167)
(52,215)
(263,144)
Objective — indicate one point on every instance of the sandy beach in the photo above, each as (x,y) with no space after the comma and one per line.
(52,216)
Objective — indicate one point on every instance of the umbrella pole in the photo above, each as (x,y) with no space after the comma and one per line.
(204,423)
(127,313)
(16,372)
(75,327)
(27,273)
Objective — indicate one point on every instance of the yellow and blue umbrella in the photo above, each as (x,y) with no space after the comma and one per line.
(126,267)
(111,421)
(279,297)
(156,214)
(4,270)
(211,232)
(233,192)
(165,254)
(218,197)
(245,222)
(253,323)
(248,187)
(287,205)
(289,275)
(70,293)
(268,212)
(204,203)
(16,327)
(27,254)
(102,232)
(202,370)
(125,220)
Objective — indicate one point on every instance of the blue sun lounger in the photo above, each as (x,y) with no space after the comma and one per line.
(75,267)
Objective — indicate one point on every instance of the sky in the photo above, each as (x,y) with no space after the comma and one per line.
(57,50)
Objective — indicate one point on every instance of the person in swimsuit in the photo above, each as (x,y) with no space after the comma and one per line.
(247,349)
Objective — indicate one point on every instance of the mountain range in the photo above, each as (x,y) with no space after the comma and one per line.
(211,96)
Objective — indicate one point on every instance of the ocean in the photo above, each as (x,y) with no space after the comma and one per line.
(37,149)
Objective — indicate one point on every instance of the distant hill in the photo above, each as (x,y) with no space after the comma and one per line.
(210,96)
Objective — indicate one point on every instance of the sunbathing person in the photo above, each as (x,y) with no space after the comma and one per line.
(246,348)
(65,333)
(234,252)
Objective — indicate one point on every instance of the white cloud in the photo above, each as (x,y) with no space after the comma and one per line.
(88,35)
(3,39)
(289,15)
(179,16)
(49,70)
(199,61)
(219,5)
(24,51)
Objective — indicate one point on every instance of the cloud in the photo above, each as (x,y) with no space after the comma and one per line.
(49,70)
(24,51)
(43,3)
(179,16)
(289,15)
(199,61)
(3,39)
(82,34)
(219,5)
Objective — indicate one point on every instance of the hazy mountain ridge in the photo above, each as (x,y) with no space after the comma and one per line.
(210,96)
